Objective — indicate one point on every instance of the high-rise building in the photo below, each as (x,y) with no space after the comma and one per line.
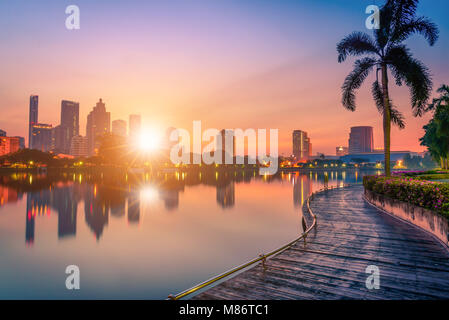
(78,147)
(42,137)
(135,123)
(69,124)
(2,133)
(9,145)
(341,151)
(59,138)
(98,123)
(21,142)
(119,127)
(302,148)
(361,140)
(34,102)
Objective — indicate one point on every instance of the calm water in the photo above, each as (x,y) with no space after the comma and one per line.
(142,237)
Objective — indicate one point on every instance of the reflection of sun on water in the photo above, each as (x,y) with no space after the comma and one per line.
(148,194)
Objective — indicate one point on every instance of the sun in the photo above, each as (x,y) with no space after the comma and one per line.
(150,140)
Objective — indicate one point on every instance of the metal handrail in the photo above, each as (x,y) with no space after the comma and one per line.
(262,257)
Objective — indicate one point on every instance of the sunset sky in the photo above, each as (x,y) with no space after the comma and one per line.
(229,63)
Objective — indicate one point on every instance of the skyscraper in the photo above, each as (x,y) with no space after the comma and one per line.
(119,127)
(34,101)
(134,125)
(302,148)
(42,137)
(78,146)
(69,123)
(98,123)
(9,145)
(361,140)
(2,133)
(21,142)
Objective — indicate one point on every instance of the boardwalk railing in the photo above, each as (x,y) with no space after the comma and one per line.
(262,257)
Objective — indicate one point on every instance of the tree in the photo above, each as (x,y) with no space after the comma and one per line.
(436,137)
(386,51)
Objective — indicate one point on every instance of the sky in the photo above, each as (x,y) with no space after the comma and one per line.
(229,63)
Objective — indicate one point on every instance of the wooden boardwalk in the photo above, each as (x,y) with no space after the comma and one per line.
(350,236)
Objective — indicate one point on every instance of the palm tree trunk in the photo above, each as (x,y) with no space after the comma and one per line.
(386,120)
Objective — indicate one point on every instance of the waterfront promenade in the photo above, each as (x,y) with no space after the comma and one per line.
(350,235)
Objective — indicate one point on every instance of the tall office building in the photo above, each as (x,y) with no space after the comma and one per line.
(135,123)
(69,123)
(78,146)
(302,148)
(119,127)
(21,142)
(2,133)
(42,137)
(59,138)
(34,102)
(361,140)
(98,123)
(9,145)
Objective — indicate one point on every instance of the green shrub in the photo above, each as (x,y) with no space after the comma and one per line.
(426,194)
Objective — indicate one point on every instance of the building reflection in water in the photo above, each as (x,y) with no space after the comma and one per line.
(134,205)
(226,195)
(119,196)
(96,211)
(170,198)
(302,187)
(65,202)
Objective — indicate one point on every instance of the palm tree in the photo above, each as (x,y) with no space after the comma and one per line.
(387,51)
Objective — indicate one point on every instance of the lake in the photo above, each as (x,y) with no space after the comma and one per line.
(143,236)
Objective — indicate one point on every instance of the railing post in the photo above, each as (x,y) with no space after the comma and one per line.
(264,258)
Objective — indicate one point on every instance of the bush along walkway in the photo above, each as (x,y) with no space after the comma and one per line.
(427,194)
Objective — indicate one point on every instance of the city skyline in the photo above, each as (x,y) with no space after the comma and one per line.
(184,75)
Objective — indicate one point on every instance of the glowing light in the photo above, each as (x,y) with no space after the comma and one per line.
(150,140)
(149,194)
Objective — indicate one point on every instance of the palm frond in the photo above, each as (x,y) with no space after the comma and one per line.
(397,118)
(414,73)
(421,25)
(382,34)
(354,80)
(355,44)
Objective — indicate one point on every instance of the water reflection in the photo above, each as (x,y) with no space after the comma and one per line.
(122,196)
(131,233)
